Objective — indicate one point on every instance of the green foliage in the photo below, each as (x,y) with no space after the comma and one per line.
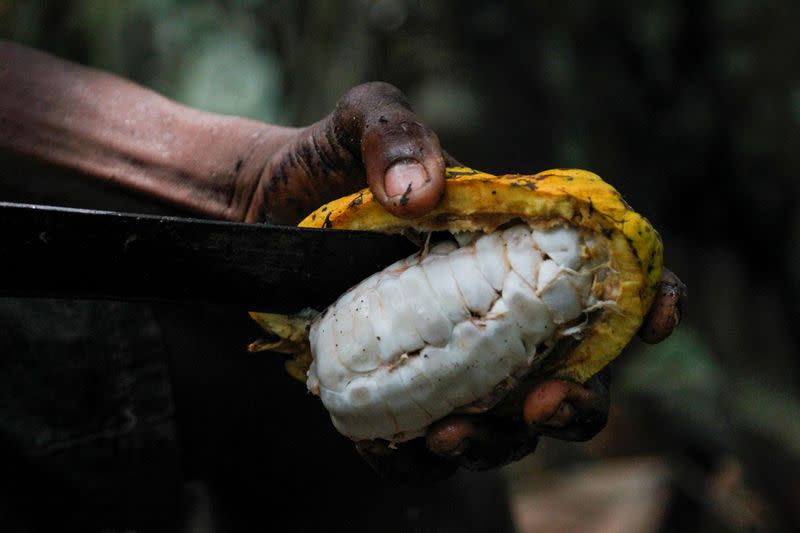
(207,54)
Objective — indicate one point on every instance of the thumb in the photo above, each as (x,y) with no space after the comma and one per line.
(402,158)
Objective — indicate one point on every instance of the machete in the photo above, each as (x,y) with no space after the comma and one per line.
(83,254)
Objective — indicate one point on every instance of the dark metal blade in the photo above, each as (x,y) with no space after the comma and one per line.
(74,253)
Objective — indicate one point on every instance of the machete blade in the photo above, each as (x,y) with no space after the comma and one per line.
(84,254)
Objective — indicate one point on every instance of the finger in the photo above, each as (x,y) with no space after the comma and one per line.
(666,311)
(479,442)
(407,462)
(566,410)
(402,158)
(371,138)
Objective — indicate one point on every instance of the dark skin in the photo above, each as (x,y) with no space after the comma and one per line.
(237,169)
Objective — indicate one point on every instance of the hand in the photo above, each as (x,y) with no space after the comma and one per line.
(371,137)
(215,165)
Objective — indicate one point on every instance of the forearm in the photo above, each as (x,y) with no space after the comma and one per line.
(117,131)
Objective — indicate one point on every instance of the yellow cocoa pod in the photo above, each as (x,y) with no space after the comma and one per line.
(477,201)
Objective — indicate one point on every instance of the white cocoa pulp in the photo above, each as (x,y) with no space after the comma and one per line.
(439,331)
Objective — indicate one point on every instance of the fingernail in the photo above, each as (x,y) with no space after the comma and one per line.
(563,416)
(404,176)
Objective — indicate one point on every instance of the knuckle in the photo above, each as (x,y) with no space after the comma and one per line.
(369,94)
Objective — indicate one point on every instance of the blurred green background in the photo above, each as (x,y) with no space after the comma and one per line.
(690,108)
